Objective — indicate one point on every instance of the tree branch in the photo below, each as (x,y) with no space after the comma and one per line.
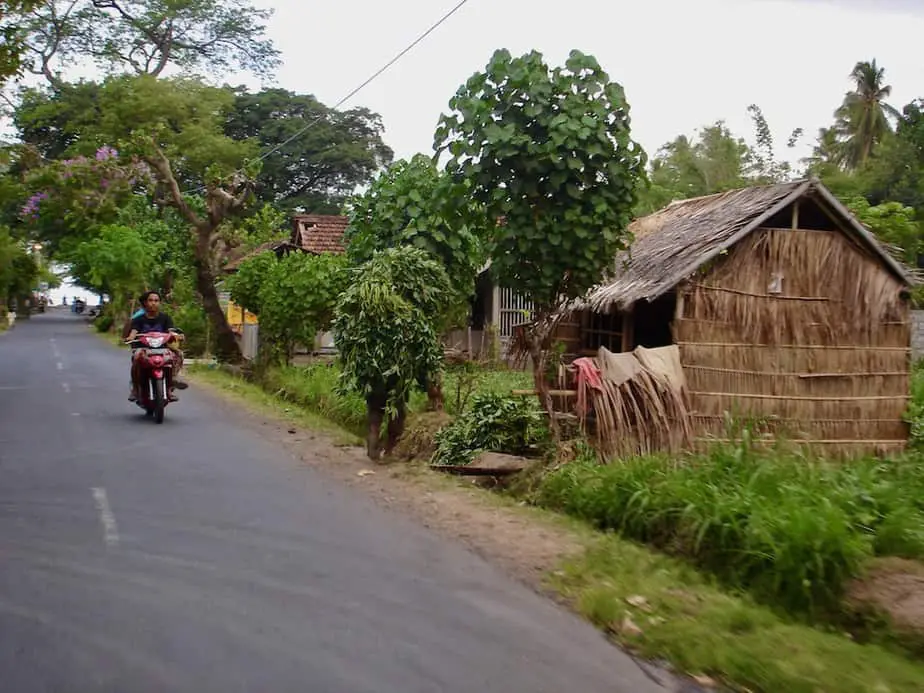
(161,164)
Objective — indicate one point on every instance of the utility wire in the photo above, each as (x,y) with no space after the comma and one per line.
(362,86)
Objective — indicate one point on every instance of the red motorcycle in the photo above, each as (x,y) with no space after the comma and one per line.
(155,362)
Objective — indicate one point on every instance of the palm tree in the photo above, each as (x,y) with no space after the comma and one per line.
(863,118)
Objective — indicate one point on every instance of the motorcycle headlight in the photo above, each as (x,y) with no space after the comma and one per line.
(156,342)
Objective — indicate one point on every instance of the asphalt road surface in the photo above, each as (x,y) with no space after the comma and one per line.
(195,556)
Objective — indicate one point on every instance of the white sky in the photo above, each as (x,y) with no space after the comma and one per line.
(684,63)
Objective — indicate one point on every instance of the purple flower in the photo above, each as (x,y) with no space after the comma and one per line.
(31,208)
(106,152)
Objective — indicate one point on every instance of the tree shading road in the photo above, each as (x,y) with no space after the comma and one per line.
(195,556)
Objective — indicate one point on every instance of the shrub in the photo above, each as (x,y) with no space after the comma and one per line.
(791,529)
(494,423)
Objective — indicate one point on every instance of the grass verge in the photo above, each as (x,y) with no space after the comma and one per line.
(683,617)
(661,607)
(271,404)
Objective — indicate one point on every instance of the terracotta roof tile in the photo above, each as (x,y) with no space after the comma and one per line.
(320,233)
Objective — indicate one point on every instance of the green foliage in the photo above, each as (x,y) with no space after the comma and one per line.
(18,269)
(494,423)
(116,262)
(147,36)
(73,198)
(550,153)
(319,169)
(297,298)
(12,45)
(894,224)
(863,118)
(244,285)
(383,325)
(915,414)
(410,204)
(315,388)
(793,530)
(713,161)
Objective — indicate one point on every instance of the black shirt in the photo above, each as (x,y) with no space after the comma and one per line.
(159,323)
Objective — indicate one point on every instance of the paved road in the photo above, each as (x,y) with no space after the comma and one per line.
(196,557)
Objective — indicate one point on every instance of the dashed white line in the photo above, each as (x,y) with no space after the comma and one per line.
(59,366)
(67,388)
(106,518)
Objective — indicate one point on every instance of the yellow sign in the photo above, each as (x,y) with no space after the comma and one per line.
(238,317)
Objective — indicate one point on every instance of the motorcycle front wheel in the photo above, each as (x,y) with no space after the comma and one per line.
(160,398)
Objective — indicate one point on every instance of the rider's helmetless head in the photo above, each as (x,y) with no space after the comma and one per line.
(151,302)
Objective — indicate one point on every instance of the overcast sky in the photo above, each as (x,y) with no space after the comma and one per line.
(684,63)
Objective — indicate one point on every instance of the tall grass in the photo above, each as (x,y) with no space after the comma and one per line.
(789,528)
(313,387)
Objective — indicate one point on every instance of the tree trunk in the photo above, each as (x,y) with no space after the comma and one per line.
(396,429)
(227,350)
(537,337)
(375,412)
(435,399)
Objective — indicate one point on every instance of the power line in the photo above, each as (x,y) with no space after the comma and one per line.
(362,86)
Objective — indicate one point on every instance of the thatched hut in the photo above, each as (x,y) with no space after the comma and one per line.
(783,306)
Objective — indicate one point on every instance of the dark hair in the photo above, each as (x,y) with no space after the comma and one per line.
(147,294)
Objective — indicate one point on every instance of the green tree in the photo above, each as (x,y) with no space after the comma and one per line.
(548,153)
(894,224)
(765,168)
(296,300)
(315,170)
(175,128)
(863,117)
(714,161)
(12,45)
(245,284)
(145,37)
(385,335)
(116,262)
(412,203)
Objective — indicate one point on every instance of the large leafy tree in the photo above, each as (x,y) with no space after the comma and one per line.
(413,203)
(175,127)
(146,37)
(312,170)
(549,155)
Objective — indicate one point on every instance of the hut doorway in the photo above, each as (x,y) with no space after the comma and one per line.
(652,322)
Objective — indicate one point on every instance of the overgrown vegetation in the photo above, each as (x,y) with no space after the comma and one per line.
(790,528)
(493,423)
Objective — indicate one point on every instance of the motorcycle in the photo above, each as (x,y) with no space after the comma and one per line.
(155,362)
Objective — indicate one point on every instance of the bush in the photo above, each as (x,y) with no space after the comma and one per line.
(103,323)
(191,318)
(494,423)
(792,530)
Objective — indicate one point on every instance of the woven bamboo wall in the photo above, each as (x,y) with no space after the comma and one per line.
(804,332)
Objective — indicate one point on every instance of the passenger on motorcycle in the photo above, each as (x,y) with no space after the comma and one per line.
(153,320)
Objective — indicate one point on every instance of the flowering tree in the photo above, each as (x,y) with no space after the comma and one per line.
(71,199)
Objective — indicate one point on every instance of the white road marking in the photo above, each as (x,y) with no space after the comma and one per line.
(106,518)
(60,366)
(67,388)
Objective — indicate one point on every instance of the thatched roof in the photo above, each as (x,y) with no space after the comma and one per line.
(673,243)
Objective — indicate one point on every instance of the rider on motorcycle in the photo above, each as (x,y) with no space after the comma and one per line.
(153,320)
